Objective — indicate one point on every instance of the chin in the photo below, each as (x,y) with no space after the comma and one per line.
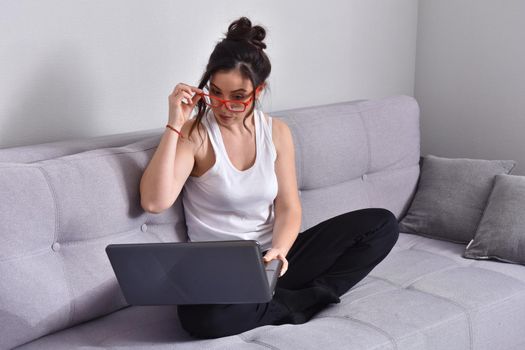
(226,116)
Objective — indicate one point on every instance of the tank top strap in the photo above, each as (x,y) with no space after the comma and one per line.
(267,126)
(209,122)
(270,124)
(266,134)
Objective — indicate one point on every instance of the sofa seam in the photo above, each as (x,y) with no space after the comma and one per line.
(258,342)
(458,317)
(368,143)
(380,106)
(367,324)
(60,158)
(300,148)
(357,178)
(416,279)
(96,239)
(405,336)
(369,155)
(26,255)
(434,235)
(429,274)
(435,254)
(100,155)
(462,307)
(299,142)
(490,306)
(484,307)
(373,104)
(471,264)
(364,297)
(73,243)
(55,239)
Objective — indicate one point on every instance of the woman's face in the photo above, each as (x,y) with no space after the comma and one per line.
(231,85)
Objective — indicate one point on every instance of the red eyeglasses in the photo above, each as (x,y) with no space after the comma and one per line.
(231,105)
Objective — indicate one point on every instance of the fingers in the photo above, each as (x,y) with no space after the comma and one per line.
(270,255)
(195,98)
(186,94)
(188,88)
(182,94)
(274,255)
(191,88)
(285,264)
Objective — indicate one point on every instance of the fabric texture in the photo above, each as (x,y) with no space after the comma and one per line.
(226,203)
(501,232)
(451,196)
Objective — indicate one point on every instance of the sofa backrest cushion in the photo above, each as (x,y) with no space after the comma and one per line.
(58,216)
(355,155)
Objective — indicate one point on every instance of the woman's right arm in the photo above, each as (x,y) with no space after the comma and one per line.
(167,171)
(173,160)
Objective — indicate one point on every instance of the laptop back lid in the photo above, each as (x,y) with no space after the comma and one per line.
(214,272)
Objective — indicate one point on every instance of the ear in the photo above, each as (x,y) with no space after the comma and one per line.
(259,90)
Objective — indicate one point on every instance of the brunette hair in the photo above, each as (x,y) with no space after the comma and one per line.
(242,49)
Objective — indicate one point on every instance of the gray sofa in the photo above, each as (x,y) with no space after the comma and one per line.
(62,203)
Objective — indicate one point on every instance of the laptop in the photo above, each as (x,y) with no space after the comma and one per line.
(205,272)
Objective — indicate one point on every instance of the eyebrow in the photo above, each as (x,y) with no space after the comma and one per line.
(215,86)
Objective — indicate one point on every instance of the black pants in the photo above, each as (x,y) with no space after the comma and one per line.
(338,253)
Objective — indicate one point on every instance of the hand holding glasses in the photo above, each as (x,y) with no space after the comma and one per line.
(179,108)
(184,98)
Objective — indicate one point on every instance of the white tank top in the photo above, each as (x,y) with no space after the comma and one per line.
(226,203)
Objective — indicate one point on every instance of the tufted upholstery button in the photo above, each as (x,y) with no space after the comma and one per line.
(144,227)
(55,246)
(364,177)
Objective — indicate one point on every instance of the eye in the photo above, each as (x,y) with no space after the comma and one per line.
(239,97)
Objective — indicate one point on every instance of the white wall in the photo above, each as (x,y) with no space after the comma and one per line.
(87,68)
(470,79)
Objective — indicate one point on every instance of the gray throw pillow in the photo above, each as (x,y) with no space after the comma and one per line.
(450,197)
(501,231)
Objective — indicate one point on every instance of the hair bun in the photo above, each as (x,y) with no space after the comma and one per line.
(242,29)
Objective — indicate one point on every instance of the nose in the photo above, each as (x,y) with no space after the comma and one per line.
(224,110)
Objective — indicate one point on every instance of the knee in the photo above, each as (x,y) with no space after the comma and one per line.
(379,220)
(386,216)
(384,224)
(387,224)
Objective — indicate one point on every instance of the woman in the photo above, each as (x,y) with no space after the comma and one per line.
(235,166)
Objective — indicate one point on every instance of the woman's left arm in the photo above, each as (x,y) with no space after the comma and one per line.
(287,206)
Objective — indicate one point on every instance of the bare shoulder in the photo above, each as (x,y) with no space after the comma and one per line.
(281,133)
(197,136)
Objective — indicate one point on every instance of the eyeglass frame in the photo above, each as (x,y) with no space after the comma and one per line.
(223,102)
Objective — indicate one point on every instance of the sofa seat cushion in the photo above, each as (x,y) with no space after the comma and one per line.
(423,295)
